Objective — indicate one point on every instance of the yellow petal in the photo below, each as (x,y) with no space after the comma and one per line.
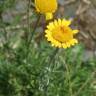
(51,26)
(55,23)
(64,45)
(49,16)
(59,21)
(75,31)
(66,22)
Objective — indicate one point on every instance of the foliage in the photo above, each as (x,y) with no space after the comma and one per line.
(37,69)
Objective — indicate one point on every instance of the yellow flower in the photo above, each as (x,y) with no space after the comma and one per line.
(60,34)
(47,7)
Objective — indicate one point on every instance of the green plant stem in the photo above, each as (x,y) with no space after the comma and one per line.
(52,56)
(51,59)
(28,17)
(32,34)
(34,29)
(69,78)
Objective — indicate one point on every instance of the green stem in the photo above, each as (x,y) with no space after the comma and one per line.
(52,56)
(51,59)
(34,29)
(32,34)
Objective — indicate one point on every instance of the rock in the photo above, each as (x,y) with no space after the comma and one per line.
(20,7)
(88,55)
(87,24)
(7,16)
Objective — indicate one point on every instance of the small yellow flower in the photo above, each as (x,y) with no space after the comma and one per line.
(60,34)
(47,7)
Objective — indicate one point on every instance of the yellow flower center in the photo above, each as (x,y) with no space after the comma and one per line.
(62,34)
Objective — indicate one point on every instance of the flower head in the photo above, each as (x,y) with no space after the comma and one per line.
(47,7)
(60,34)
